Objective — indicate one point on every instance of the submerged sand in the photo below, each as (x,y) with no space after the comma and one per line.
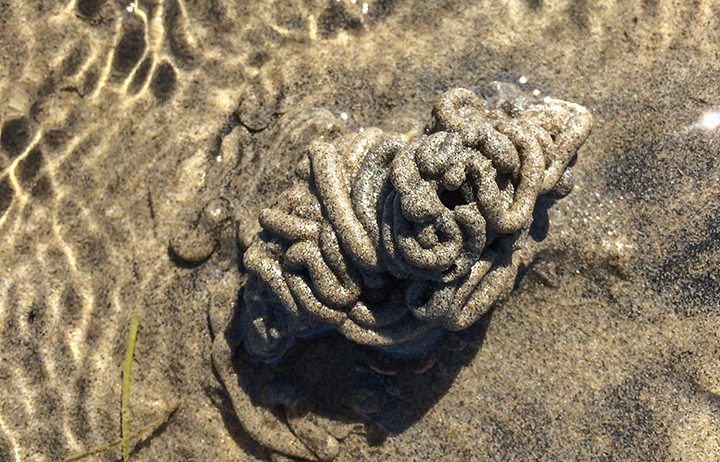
(121,121)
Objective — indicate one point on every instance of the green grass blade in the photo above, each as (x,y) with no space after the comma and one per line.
(134,323)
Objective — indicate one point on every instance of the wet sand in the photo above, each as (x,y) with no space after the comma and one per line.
(117,129)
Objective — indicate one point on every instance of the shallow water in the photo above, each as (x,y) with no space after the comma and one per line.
(120,121)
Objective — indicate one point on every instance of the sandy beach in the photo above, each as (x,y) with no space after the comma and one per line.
(121,121)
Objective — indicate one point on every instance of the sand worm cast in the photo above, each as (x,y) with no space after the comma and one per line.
(384,239)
